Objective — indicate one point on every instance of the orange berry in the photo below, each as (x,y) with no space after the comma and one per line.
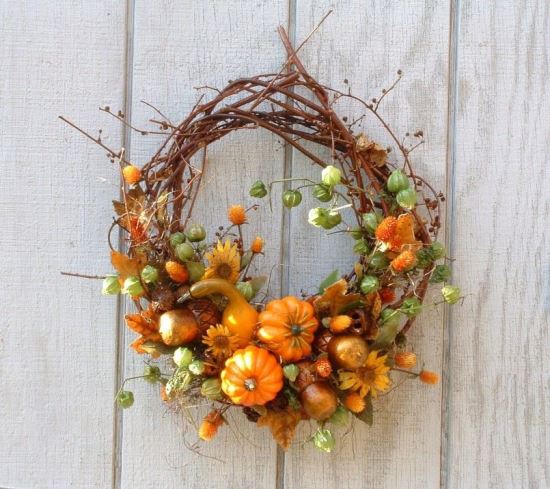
(428,377)
(387,295)
(404,261)
(340,323)
(385,231)
(405,359)
(177,271)
(209,426)
(323,367)
(131,174)
(354,402)
(257,245)
(237,214)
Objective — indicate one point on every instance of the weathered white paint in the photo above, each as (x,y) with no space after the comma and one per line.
(486,427)
(57,336)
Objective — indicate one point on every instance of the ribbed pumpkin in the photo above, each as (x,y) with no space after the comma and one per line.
(252,376)
(287,326)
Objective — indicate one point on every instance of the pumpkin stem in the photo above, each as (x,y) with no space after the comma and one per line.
(250,384)
(296,329)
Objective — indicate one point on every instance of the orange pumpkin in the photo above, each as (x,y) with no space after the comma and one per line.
(287,326)
(252,376)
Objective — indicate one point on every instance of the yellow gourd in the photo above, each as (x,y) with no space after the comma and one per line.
(239,316)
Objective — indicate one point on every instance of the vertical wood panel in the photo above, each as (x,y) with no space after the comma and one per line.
(57,334)
(366,43)
(499,349)
(178,46)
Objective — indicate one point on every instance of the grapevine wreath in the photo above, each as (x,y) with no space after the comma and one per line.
(209,339)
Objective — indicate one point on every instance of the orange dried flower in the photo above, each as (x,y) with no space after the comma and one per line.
(209,426)
(137,230)
(257,245)
(354,402)
(404,261)
(131,174)
(323,367)
(405,359)
(428,377)
(387,295)
(237,214)
(163,394)
(385,231)
(177,271)
(340,323)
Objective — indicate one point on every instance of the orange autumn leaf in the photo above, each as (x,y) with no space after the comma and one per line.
(145,324)
(282,425)
(335,300)
(125,266)
(399,234)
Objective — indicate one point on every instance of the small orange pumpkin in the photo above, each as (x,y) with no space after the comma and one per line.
(287,326)
(252,376)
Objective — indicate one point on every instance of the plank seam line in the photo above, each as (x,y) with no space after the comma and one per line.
(120,358)
(452,94)
(280,462)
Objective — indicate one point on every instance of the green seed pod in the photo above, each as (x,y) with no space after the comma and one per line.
(406,198)
(291,198)
(291,371)
(212,389)
(397,181)
(111,285)
(390,316)
(176,239)
(133,287)
(195,269)
(371,221)
(361,247)
(196,233)
(151,374)
(340,416)
(323,440)
(331,176)
(258,189)
(369,284)
(183,356)
(424,258)
(246,290)
(322,192)
(323,218)
(184,251)
(179,382)
(437,250)
(149,274)
(411,307)
(378,261)
(441,273)
(125,399)
(196,367)
(451,294)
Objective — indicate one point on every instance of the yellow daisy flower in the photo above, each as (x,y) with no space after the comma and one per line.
(221,343)
(371,377)
(224,262)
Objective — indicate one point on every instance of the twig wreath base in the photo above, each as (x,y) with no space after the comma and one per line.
(211,340)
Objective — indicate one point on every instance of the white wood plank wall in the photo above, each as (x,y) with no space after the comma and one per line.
(476,81)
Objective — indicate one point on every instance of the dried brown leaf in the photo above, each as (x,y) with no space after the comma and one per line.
(282,425)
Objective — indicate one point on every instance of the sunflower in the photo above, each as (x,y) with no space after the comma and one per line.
(224,262)
(371,377)
(221,343)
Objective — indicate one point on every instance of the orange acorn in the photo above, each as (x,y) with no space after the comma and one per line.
(354,402)
(257,245)
(340,323)
(131,174)
(404,261)
(323,367)
(428,377)
(387,295)
(177,271)
(209,426)
(405,359)
(237,214)
(385,231)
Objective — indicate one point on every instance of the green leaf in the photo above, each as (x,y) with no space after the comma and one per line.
(329,280)
(386,336)
(366,415)
(257,283)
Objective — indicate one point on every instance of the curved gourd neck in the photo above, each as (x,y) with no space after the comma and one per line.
(216,286)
